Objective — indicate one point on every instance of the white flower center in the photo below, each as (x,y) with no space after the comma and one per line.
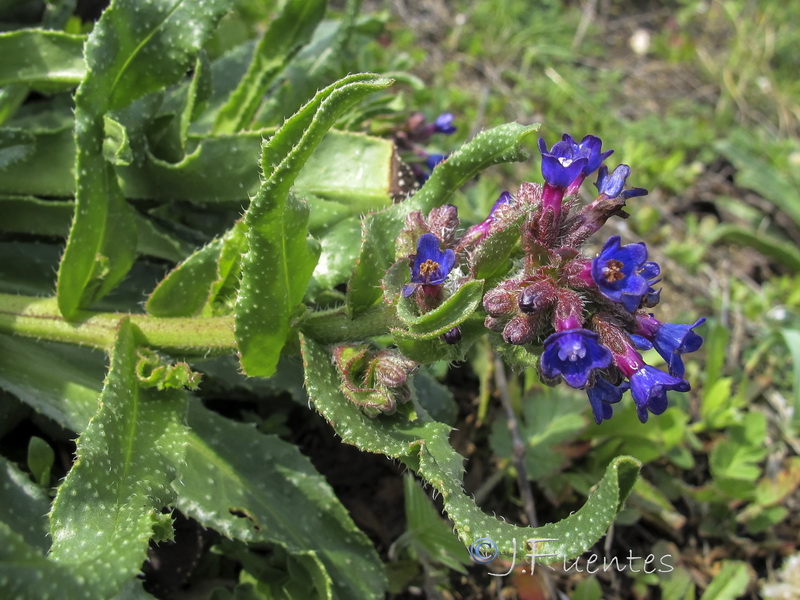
(565,162)
(572,352)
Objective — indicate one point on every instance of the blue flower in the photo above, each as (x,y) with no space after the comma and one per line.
(613,186)
(434,159)
(431,265)
(574,354)
(602,395)
(444,124)
(623,273)
(589,148)
(671,340)
(649,388)
(562,164)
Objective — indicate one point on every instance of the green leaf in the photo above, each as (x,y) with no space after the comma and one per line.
(453,311)
(426,349)
(57,381)
(46,61)
(108,507)
(716,351)
(428,535)
(781,251)
(550,417)
(116,145)
(791,337)
(759,175)
(198,285)
(737,457)
(718,408)
(137,46)
(435,398)
(11,98)
(168,129)
(101,247)
(281,576)
(142,46)
(257,488)
(424,447)
(352,169)
(26,574)
(286,34)
(498,145)
(40,460)
(16,145)
(322,60)
(730,583)
(23,505)
(54,148)
(339,250)
(26,214)
(491,255)
(280,260)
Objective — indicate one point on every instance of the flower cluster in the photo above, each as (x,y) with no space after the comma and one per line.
(375,380)
(587,317)
(582,319)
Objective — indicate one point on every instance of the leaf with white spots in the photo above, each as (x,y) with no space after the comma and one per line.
(280,257)
(203,284)
(286,34)
(46,61)
(137,47)
(424,446)
(36,372)
(26,574)
(107,508)
(255,488)
(380,230)
(23,505)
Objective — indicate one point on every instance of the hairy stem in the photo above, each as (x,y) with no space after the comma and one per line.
(40,318)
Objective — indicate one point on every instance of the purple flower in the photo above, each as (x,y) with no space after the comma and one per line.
(574,354)
(444,124)
(602,395)
(431,265)
(589,148)
(562,164)
(478,232)
(613,186)
(649,388)
(671,340)
(623,273)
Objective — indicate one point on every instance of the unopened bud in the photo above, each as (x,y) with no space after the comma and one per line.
(392,368)
(443,222)
(494,323)
(453,336)
(500,302)
(536,297)
(651,298)
(519,331)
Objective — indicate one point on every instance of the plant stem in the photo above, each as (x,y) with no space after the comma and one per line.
(40,318)
(517,444)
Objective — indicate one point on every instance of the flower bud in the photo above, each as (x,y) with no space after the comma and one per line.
(536,297)
(500,302)
(519,331)
(453,336)
(443,222)
(494,323)
(392,368)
